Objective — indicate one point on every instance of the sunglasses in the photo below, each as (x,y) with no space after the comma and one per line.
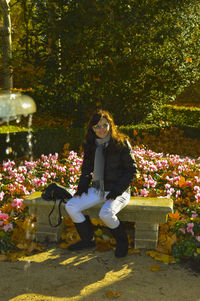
(103,126)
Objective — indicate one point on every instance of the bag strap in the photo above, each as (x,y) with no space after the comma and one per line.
(59,210)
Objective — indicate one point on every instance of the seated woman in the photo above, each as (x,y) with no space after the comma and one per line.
(108,159)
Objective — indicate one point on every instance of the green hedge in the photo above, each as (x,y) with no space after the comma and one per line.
(141,129)
(181,116)
(46,141)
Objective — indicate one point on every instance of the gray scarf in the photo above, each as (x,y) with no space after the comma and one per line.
(99,162)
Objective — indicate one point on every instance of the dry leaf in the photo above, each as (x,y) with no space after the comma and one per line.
(155,267)
(175,216)
(98,232)
(68,222)
(64,245)
(188,60)
(3,257)
(15,256)
(133,251)
(181,182)
(112,295)
(97,222)
(22,246)
(112,241)
(161,257)
(103,246)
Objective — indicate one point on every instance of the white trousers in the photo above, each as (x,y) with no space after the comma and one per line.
(108,212)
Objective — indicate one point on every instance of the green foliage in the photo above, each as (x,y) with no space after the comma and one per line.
(186,249)
(5,242)
(140,129)
(124,56)
(178,116)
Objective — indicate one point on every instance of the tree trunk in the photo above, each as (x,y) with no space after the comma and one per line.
(6,45)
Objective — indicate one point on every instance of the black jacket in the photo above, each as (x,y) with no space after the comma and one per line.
(119,170)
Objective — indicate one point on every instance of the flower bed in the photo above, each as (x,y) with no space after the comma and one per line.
(158,175)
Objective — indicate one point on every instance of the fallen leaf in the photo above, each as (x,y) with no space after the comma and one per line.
(3,257)
(161,257)
(181,182)
(103,246)
(97,222)
(68,222)
(188,60)
(133,251)
(64,245)
(16,255)
(98,232)
(175,216)
(112,295)
(22,246)
(155,267)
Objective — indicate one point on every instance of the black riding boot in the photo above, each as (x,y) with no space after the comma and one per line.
(122,241)
(85,231)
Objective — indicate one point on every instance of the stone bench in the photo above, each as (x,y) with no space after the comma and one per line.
(147,213)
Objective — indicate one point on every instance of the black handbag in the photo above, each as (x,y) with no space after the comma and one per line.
(56,192)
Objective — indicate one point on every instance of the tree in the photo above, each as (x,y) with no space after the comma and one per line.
(5,31)
(128,57)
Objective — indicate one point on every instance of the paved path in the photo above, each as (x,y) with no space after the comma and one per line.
(58,275)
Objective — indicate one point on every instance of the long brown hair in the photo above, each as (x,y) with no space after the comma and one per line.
(117,139)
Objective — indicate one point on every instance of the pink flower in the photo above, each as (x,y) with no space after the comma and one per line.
(1,195)
(198,238)
(43,181)
(17,203)
(167,186)
(53,175)
(144,192)
(36,182)
(194,214)
(197,179)
(182,230)
(197,197)
(4,216)
(178,193)
(190,228)
(44,158)
(22,169)
(197,188)
(7,227)
(46,164)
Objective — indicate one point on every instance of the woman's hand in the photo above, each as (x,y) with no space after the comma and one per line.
(79,194)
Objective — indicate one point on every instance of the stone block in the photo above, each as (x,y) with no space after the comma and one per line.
(47,237)
(145,244)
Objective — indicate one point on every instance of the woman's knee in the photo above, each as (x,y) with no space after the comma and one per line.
(71,208)
(106,214)
(109,218)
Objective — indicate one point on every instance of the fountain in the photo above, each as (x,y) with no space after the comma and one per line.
(14,105)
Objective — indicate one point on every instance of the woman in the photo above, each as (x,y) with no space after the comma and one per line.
(108,159)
